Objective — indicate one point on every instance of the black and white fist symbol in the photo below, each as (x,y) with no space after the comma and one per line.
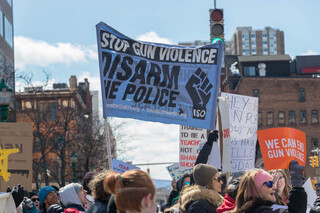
(199,89)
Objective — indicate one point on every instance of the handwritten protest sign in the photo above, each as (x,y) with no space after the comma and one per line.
(190,138)
(176,172)
(16,155)
(158,82)
(243,111)
(121,167)
(279,146)
(243,117)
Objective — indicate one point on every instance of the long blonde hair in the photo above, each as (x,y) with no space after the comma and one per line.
(247,189)
(287,187)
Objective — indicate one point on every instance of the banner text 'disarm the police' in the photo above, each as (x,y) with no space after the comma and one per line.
(279,146)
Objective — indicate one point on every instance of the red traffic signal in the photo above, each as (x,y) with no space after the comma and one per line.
(216,15)
(216,24)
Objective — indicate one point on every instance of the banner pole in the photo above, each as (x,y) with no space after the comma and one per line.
(108,145)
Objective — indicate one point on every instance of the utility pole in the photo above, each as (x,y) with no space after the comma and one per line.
(215,4)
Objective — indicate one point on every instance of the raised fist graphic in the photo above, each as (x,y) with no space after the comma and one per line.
(199,89)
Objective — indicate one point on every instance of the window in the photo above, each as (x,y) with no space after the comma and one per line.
(52,108)
(314,116)
(292,117)
(264,42)
(269,118)
(314,143)
(1,25)
(8,34)
(260,121)
(254,51)
(249,71)
(256,93)
(303,116)
(1,64)
(281,119)
(302,95)
(264,35)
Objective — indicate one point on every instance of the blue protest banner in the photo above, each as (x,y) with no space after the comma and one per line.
(158,82)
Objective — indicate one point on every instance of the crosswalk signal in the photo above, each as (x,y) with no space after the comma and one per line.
(316,161)
(216,25)
(311,161)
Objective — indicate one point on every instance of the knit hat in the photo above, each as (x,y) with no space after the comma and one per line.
(43,193)
(203,174)
(261,177)
(31,194)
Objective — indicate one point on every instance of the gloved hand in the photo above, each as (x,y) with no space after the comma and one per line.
(296,173)
(213,136)
(27,204)
(55,208)
(17,194)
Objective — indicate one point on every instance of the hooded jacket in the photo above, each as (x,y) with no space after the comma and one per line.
(197,198)
(70,199)
(227,205)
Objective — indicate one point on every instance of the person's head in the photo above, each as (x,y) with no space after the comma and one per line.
(317,185)
(73,193)
(48,196)
(183,181)
(134,191)
(35,198)
(96,187)
(86,180)
(255,183)
(233,186)
(208,176)
(282,184)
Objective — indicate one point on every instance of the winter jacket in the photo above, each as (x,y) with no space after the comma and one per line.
(55,208)
(227,205)
(172,196)
(112,207)
(99,206)
(74,208)
(195,199)
(297,203)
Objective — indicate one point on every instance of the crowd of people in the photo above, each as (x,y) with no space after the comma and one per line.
(253,191)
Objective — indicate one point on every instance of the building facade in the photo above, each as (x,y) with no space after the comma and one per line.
(246,41)
(7,50)
(62,119)
(288,97)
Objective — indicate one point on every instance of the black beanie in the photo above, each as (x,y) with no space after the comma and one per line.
(203,174)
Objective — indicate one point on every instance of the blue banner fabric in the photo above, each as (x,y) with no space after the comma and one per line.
(158,82)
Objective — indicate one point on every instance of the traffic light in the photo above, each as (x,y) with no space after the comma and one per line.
(311,160)
(216,25)
(316,161)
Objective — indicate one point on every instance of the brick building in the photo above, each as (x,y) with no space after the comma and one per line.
(288,97)
(62,119)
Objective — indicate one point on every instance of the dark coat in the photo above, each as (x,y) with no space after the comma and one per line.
(196,199)
(297,203)
(99,206)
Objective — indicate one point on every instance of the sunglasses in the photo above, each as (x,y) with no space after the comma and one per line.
(217,179)
(34,199)
(269,183)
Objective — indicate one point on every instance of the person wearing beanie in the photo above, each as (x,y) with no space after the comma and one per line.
(256,192)
(47,197)
(204,195)
(73,197)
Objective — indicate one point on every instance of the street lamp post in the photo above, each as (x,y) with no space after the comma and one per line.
(5,96)
(74,160)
